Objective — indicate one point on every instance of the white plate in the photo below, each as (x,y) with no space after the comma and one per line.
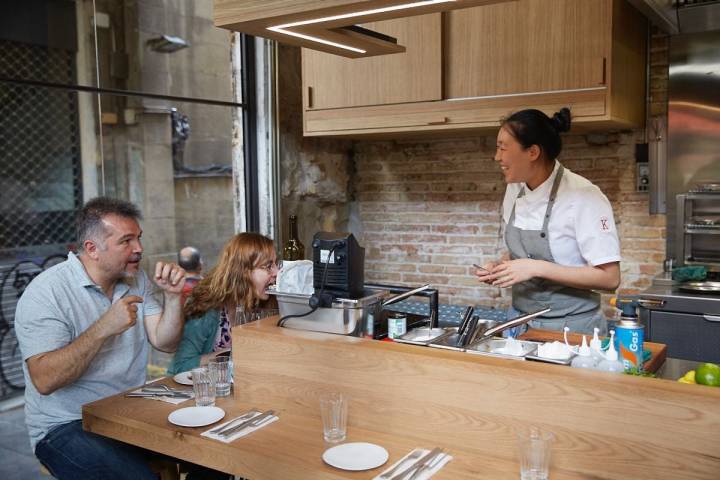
(356,456)
(183,378)
(196,416)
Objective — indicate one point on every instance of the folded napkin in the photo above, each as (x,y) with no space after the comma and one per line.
(173,400)
(425,474)
(240,433)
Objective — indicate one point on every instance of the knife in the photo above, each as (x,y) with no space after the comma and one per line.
(435,451)
(233,422)
(430,464)
(465,319)
(469,331)
(253,422)
(158,394)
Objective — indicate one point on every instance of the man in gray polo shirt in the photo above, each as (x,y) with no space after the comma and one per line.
(83,328)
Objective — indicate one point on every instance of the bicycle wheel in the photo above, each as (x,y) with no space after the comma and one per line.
(11,372)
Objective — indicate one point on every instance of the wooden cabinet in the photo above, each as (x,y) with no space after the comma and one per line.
(488,61)
(525,46)
(331,81)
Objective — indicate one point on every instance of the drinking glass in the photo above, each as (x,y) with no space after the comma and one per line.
(333,410)
(203,387)
(220,370)
(243,316)
(534,447)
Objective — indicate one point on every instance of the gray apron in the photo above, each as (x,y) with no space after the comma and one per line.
(573,307)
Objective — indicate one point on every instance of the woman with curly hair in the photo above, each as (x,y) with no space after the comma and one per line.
(246,267)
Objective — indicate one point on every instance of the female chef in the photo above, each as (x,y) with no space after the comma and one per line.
(559,229)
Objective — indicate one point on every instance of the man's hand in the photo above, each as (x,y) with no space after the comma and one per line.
(121,316)
(169,277)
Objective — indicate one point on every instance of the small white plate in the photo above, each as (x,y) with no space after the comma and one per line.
(196,416)
(356,456)
(183,378)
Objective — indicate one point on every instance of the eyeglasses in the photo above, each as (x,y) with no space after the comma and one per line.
(268,267)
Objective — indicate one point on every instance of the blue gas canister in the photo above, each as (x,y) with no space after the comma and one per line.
(629,335)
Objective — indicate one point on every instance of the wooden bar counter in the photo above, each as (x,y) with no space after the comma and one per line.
(606,426)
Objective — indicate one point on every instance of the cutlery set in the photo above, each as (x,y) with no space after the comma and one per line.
(161,391)
(247,420)
(412,472)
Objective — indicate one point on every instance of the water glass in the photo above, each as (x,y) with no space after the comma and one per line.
(534,446)
(243,315)
(203,387)
(220,370)
(334,410)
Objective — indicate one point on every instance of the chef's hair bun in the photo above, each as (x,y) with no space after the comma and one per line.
(561,120)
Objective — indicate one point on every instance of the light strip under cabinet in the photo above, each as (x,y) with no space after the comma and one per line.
(284,27)
(316,39)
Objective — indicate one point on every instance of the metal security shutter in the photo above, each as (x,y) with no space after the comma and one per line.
(40,178)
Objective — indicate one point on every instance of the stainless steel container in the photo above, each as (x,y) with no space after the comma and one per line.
(495,347)
(345,317)
(423,336)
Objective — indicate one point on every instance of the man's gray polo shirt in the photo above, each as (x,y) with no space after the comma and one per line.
(57,307)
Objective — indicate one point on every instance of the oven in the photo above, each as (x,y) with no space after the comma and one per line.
(697,230)
(688,323)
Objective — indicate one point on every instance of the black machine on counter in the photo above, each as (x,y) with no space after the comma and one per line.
(338,268)
(341,302)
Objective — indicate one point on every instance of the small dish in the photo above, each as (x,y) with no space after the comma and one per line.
(183,378)
(196,416)
(496,347)
(355,456)
(422,336)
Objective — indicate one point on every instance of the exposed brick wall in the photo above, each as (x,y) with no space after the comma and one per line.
(428,210)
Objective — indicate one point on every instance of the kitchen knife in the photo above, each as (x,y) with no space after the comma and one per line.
(469,331)
(464,321)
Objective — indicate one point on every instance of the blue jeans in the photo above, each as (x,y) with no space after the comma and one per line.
(70,452)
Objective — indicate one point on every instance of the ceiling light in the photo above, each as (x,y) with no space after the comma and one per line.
(316,39)
(283,28)
(364,13)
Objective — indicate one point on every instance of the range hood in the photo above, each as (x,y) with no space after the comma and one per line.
(681,16)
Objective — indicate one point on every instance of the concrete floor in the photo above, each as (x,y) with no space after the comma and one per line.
(18,461)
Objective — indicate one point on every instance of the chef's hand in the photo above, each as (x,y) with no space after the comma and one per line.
(486,274)
(169,277)
(510,272)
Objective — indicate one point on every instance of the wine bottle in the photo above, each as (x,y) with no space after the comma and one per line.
(293,249)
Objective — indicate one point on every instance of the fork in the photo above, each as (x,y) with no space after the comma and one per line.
(164,389)
(413,455)
(253,422)
(230,424)
(429,465)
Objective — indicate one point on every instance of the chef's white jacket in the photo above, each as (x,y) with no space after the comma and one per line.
(581,229)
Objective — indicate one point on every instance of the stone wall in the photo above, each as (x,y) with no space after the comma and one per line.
(182,209)
(315,173)
(426,210)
